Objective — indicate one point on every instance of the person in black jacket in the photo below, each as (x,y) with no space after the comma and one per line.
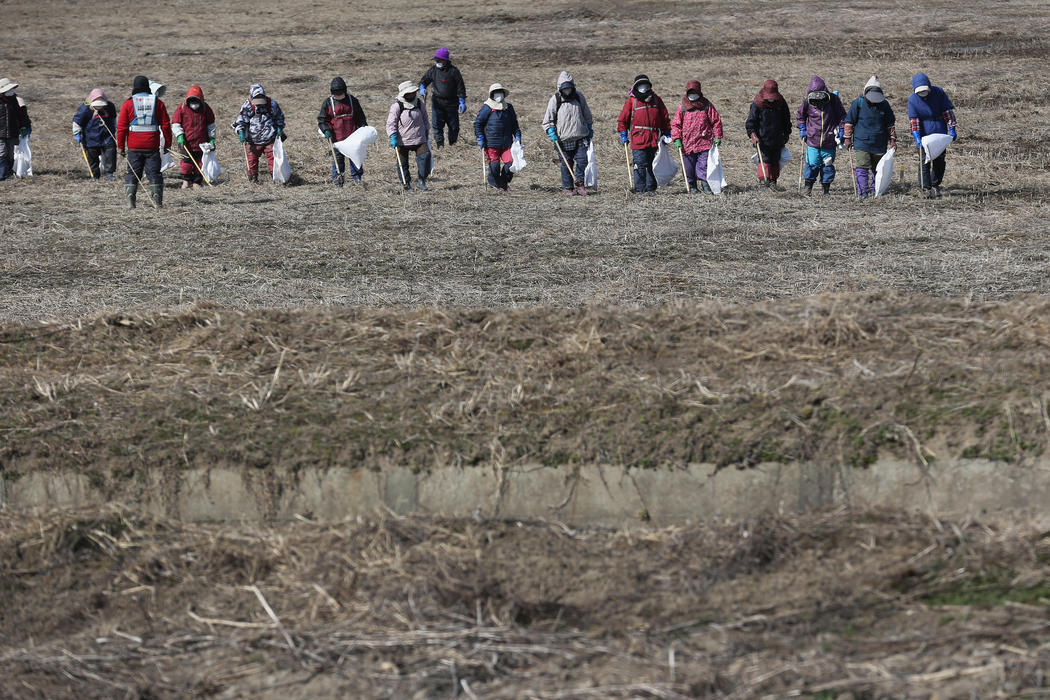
(769,128)
(450,97)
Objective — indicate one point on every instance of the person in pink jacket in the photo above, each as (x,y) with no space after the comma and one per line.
(407,126)
(695,128)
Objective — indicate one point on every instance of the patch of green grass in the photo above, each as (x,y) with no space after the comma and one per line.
(989,591)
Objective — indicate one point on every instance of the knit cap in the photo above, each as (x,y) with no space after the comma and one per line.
(140,85)
(441,54)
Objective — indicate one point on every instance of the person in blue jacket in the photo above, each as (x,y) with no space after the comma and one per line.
(869,129)
(930,112)
(496,128)
(94,128)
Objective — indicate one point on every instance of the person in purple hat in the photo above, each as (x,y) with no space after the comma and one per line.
(449,97)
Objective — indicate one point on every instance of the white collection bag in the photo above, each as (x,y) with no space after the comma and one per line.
(590,174)
(209,163)
(716,178)
(933,145)
(664,165)
(517,154)
(282,169)
(355,146)
(167,161)
(23,158)
(884,173)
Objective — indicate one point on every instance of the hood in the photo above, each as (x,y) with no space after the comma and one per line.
(693,86)
(817,84)
(140,85)
(256,90)
(642,78)
(563,78)
(441,54)
(873,90)
(195,91)
(6,84)
(920,81)
(158,89)
(770,92)
(337,85)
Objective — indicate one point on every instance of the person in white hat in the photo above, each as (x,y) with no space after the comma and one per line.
(14,124)
(496,128)
(869,130)
(407,126)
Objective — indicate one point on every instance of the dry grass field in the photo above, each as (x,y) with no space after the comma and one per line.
(270,327)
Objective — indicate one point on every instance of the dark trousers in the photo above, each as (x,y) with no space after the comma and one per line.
(108,154)
(642,159)
(7,156)
(422,162)
(928,179)
(770,161)
(445,114)
(576,153)
(143,162)
(339,167)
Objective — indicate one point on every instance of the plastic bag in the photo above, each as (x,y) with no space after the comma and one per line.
(355,146)
(282,169)
(167,161)
(716,178)
(210,164)
(785,157)
(933,145)
(517,154)
(884,173)
(665,167)
(590,174)
(23,158)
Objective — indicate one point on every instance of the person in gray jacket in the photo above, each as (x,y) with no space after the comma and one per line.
(568,122)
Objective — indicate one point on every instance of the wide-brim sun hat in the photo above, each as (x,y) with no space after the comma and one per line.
(6,84)
(498,87)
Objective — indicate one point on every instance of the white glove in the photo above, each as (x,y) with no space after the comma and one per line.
(667,139)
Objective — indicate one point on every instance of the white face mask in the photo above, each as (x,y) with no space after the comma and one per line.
(9,93)
(497,97)
(693,97)
(439,64)
(642,89)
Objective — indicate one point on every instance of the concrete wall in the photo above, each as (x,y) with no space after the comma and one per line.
(590,494)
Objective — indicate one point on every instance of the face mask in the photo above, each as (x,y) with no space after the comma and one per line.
(497,97)
(195,106)
(439,64)
(410,97)
(642,89)
(693,97)
(567,92)
(923,94)
(9,93)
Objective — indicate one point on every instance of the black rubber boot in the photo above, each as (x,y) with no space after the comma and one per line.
(129,194)
(693,189)
(825,188)
(156,190)
(706,187)
(809,188)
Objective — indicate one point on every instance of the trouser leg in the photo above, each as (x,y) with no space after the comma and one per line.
(7,157)
(567,180)
(109,159)
(338,168)
(136,167)
(690,167)
(579,159)
(452,119)
(437,116)
(938,170)
(93,154)
(423,164)
(253,152)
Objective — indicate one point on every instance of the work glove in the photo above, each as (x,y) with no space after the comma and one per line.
(422,91)
(754,139)
(802,131)
(552,134)
(678,144)
(242,137)
(893,144)
(280,134)
(394,140)
(517,137)
(590,131)
(328,134)
(462,105)
(23,132)
(918,139)
(841,134)
(481,141)
(718,141)
(623,137)
(951,132)
(847,144)
(181,140)
(78,137)
(211,141)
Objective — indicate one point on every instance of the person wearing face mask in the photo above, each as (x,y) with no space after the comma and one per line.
(14,124)
(259,123)
(496,128)
(568,122)
(141,124)
(449,99)
(340,116)
(869,129)
(407,126)
(696,127)
(93,127)
(642,121)
(769,128)
(193,124)
(819,117)
(930,112)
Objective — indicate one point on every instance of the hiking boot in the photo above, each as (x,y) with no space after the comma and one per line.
(253,178)
(582,191)
(763,182)
(569,192)
(928,193)
(774,186)
(157,192)
(423,185)
(825,188)
(937,191)
(129,194)
(693,189)
(706,187)
(809,189)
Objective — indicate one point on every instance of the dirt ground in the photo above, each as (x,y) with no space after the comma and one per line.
(270,328)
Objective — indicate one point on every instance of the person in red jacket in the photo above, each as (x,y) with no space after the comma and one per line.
(643,120)
(193,126)
(142,120)
(340,116)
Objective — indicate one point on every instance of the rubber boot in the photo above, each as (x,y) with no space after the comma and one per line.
(693,189)
(809,188)
(129,194)
(156,190)
(825,188)
(706,187)
(422,166)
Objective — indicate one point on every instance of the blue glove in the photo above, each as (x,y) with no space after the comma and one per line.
(422,91)
(481,141)
(462,105)
(802,131)
(552,133)
(842,133)
(623,137)
(393,140)
(78,137)
(590,131)
(517,137)
(951,132)
(918,139)
(280,134)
